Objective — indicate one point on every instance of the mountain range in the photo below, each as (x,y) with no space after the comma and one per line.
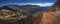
(29,8)
(25,14)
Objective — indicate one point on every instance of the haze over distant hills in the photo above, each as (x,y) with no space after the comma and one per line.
(39,4)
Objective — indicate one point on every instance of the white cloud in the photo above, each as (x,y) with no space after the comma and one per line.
(40,4)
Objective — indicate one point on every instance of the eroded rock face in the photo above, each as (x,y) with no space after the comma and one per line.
(11,16)
(51,16)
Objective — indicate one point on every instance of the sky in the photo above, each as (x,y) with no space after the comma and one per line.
(33,2)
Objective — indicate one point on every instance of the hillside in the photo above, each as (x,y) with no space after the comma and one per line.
(24,14)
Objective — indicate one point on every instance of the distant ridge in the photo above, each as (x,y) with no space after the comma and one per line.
(29,8)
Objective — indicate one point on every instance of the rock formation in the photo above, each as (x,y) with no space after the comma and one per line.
(52,16)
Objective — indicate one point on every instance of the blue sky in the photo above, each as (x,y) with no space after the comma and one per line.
(27,1)
(35,2)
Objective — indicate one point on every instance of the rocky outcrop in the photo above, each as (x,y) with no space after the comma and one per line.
(52,16)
